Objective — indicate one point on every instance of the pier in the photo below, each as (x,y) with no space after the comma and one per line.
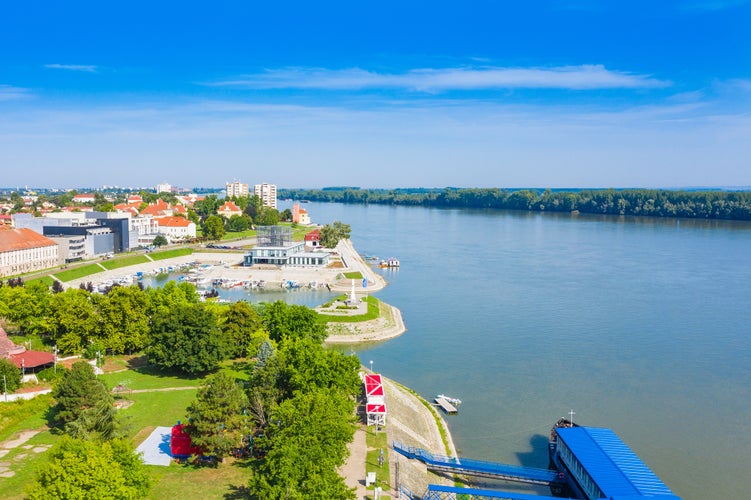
(446,406)
(480,468)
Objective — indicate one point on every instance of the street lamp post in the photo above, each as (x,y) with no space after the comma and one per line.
(371,366)
(55,365)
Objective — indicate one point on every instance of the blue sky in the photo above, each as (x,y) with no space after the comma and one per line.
(579,93)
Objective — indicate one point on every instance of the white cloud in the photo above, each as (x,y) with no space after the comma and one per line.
(10,93)
(86,68)
(585,77)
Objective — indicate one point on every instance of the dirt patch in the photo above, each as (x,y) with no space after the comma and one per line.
(122,404)
(20,439)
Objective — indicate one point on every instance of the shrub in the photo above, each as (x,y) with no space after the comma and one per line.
(12,375)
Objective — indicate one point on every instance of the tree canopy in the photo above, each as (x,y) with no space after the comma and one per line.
(12,375)
(218,417)
(83,469)
(332,234)
(188,339)
(699,204)
(84,406)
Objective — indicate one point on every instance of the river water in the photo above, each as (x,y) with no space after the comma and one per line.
(639,325)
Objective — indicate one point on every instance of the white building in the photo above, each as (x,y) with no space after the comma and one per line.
(176,228)
(267,193)
(25,250)
(163,188)
(237,188)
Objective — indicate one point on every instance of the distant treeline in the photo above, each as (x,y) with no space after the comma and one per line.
(735,205)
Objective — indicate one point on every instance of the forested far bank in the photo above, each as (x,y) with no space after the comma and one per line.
(728,205)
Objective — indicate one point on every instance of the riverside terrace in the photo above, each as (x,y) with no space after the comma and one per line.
(344,259)
(275,246)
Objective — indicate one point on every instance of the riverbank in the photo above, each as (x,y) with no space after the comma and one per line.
(414,422)
(229,265)
(387,325)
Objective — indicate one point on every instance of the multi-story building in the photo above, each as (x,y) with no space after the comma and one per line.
(267,193)
(163,188)
(25,250)
(237,188)
(176,228)
(229,209)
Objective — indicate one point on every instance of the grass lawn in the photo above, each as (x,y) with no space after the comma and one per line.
(375,444)
(23,415)
(154,409)
(374,311)
(354,275)
(130,260)
(168,254)
(79,272)
(47,280)
(25,462)
(150,377)
(188,482)
(232,235)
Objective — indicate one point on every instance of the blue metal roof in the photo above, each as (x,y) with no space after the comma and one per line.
(616,470)
(437,491)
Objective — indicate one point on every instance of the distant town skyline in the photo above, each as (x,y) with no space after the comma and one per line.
(554,93)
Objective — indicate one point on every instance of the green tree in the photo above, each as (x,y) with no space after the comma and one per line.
(213,227)
(12,375)
(27,307)
(267,216)
(160,240)
(331,234)
(171,296)
(188,339)
(83,469)
(239,223)
(288,321)
(307,365)
(74,320)
(253,207)
(84,406)
(243,329)
(306,441)
(218,416)
(124,319)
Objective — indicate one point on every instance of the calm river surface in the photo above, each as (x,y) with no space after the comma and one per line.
(639,325)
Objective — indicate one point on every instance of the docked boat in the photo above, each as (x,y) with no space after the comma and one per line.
(453,401)
(390,263)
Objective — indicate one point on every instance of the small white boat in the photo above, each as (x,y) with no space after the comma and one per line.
(453,401)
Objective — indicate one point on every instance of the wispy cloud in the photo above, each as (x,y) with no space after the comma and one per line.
(432,80)
(86,68)
(11,93)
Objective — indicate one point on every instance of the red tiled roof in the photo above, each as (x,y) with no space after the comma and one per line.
(173,221)
(32,359)
(229,207)
(157,208)
(22,239)
(313,235)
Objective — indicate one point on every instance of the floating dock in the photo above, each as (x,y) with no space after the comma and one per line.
(446,406)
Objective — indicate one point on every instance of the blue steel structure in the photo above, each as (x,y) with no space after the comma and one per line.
(480,468)
(439,492)
(599,465)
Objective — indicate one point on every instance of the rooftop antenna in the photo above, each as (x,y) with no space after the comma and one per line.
(571,415)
